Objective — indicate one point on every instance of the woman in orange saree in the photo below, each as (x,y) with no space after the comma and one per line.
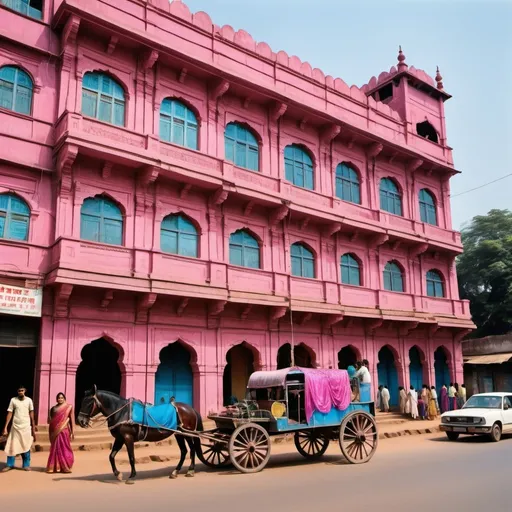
(62,425)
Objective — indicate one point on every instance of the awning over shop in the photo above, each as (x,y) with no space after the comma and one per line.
(489,359)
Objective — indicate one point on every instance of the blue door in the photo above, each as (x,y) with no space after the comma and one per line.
(174,376)
(388,376)
(415,368)
(441,368)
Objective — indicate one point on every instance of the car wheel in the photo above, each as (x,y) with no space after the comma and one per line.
(452,436)
(496,432)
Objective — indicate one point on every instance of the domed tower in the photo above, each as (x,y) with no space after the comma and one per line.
(418,99)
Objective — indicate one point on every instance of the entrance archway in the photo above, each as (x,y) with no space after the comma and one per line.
(415,368)
(387,373)
(441,368)
(347,356)
(174,377)
(302,356)
(240,365)
(100,366)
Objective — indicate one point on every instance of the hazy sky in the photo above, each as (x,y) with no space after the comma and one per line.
(470,40)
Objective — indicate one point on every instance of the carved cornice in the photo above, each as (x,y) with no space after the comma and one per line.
(65,159)
(432,329)
(332,320)
(277,312)
(373,324)
(278,215)
(148,59)
(112,44)
(330,133)
(332,229)
(219,197)
(183,75)
(107,299)
(148,175)
(106,170)
(216,307)
(277,110)
(61,295)
(378,240)
(219,89)
(304,318)
(407,328)
(457,337)
(144,303)
(185,190)
(245,312)
(418,249)
(413,165)
(182,306)
(70,31)
(248,208)
(373,150)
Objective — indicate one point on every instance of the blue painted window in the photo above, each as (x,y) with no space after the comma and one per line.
(298,167)
(103,98)
(179,236)
(15,90)
(350,271)
(242,147)
(101,221)
(14,217)
(428,212)
(393,278)
(435,284)
(347,184)
(390,198)
(244,249)
(303,261)
(178,124)
(32,8)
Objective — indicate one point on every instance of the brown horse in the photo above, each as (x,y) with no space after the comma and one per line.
(117,411)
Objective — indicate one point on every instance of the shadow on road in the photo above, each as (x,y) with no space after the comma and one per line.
(470,440)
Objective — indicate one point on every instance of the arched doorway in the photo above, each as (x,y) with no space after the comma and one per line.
(387,373)
(415,368)
(240,365)
(441,368)
(301,354)
(347,356)
(174,377)
(100,366)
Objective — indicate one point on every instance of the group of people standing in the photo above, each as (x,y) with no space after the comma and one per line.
(19,440)
(425,403)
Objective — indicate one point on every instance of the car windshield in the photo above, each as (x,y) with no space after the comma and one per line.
(483,402)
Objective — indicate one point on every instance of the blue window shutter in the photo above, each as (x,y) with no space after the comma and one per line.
(103,98)
(2,226)
(89,228)
(241,147)
(18,228)
(235,255)
(309,268)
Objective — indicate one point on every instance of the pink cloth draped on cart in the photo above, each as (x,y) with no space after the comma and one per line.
(326,389)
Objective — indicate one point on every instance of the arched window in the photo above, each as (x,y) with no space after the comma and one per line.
(347,184)
(426,130)
(178,236)
(178,124)
(32,8)
(428,212)
(14,217)
(390,199)
(15,90)
(303,261)
(350,271)
(393,278)
(103,98)
(435,284)
(244,249)
(298,167)
(241,147)
(101,221)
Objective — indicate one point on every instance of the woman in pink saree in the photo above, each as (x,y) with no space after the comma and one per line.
(62,426)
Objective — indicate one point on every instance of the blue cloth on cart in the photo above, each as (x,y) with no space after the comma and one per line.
(162,416)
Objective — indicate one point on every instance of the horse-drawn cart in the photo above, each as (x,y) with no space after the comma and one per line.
(312,404)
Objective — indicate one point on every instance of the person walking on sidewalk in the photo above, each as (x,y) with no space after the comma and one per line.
(23,430)
(434,397)
(413,402)
(384,398)
(403,399)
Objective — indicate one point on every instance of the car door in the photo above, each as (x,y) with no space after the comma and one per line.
(507,413)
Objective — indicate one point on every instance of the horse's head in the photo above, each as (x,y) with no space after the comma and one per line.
(91,406)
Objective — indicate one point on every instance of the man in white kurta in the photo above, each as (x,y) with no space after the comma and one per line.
(19,440)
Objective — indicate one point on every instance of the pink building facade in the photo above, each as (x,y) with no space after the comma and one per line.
(186,204)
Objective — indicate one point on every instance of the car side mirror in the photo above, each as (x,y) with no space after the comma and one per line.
(506,407)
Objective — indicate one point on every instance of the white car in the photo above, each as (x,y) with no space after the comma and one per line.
(485,413)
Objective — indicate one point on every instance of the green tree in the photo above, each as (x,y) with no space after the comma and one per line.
(485,271)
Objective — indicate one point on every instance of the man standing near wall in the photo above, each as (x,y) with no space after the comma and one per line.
(23,431)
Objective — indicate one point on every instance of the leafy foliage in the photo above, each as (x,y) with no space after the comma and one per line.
(485,271)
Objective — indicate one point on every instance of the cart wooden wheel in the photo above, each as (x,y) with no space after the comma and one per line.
(249,448)
(358,437)
(311,444)
(214,454)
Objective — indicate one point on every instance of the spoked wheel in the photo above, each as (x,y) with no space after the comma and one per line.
(358,437)
(311,444)
(215,454)
(249,448)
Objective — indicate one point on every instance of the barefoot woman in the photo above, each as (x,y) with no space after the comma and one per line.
(62,428)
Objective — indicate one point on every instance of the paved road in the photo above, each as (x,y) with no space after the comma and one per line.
(418,473)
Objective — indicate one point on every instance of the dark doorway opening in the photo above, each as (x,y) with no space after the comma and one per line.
(301,355)
(426,130)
